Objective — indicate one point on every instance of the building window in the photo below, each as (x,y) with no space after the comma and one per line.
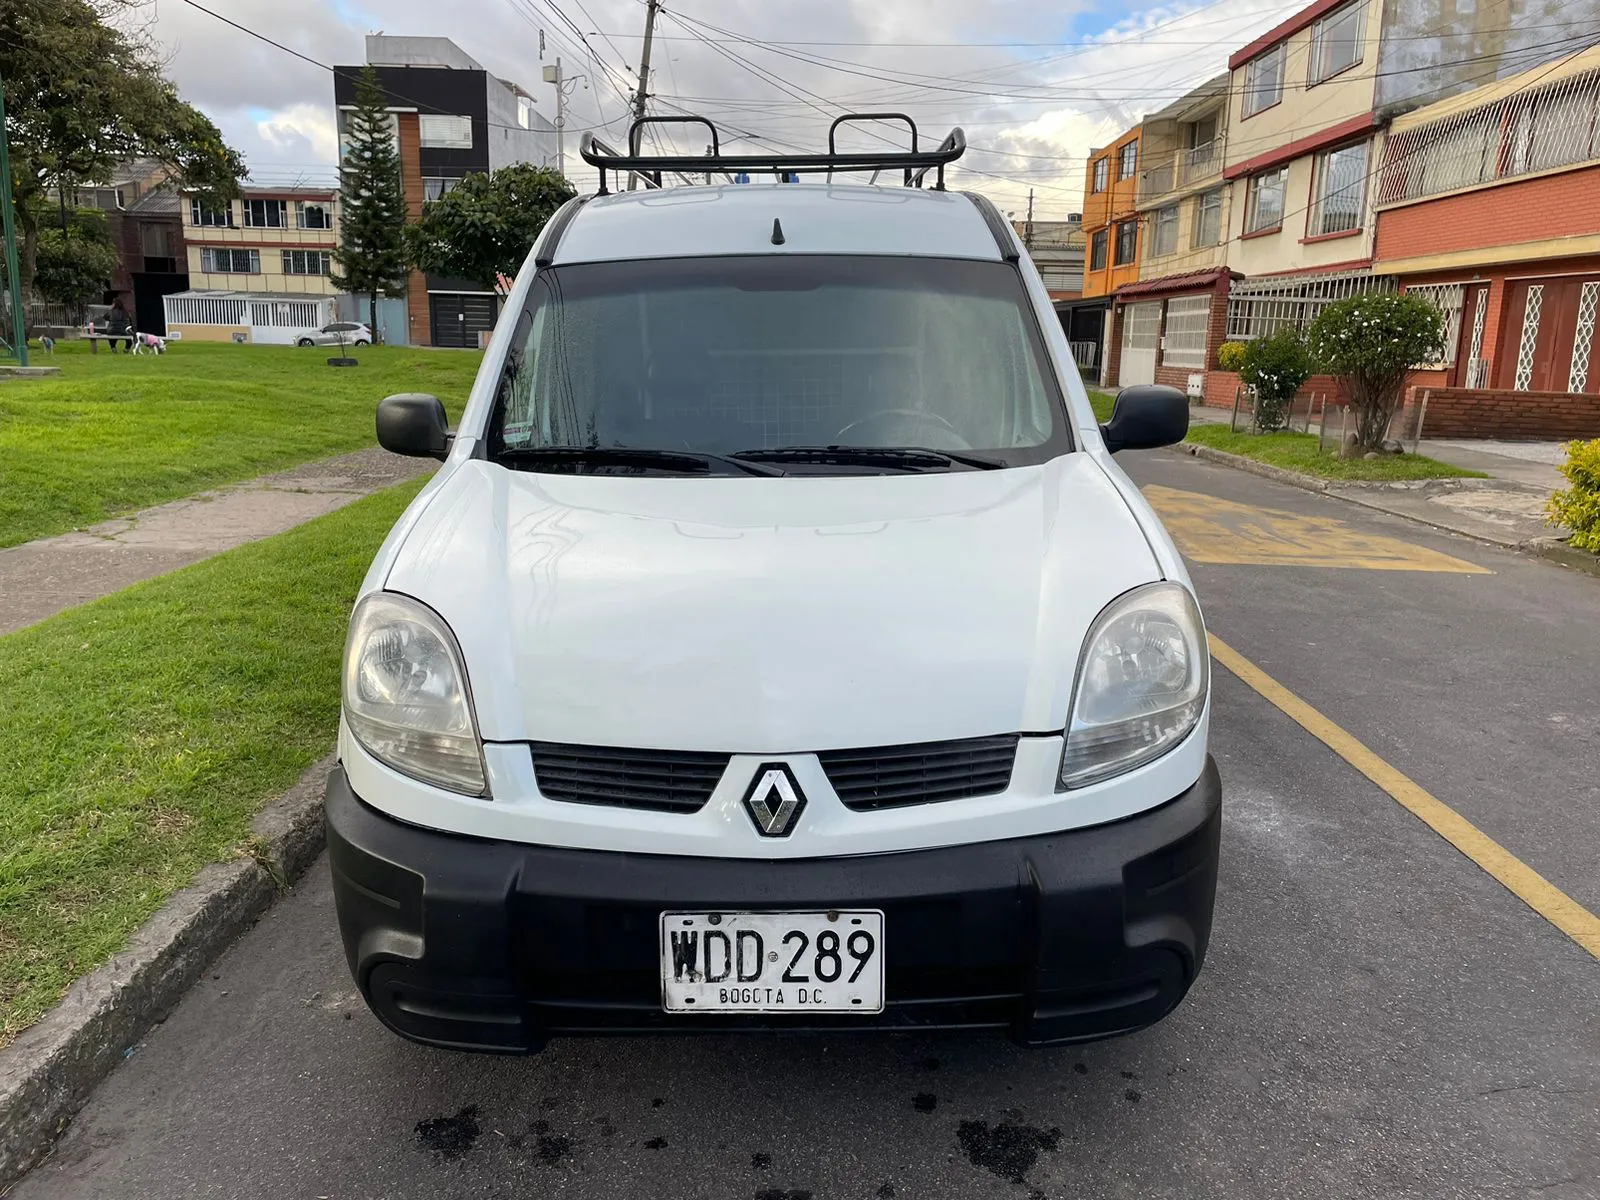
(266,214)
(1165,240)
(1448,298)
(1059,279)
(1208,218)
(1102,171)
(200,214)
(313,214)
(1338,190)
(442,132)
(1263,80)
(220,260)
(1097,249)
(1127,242)
(1337,40)
(305,262)
(1263,207)
(1188,323)
(434,186)
(1128,160)
(1261,306)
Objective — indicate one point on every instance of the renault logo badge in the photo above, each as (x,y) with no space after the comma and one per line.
(774,800)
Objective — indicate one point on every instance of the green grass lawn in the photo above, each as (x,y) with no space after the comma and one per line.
(114,432)
(1298,452)
(144,731)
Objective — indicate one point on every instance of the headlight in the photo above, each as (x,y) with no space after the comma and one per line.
(405,693)
(1141,684)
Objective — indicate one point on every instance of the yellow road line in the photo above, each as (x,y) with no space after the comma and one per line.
(1533,889)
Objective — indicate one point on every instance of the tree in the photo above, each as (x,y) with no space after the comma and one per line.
(371,258)
(73,271)
(1373,342)
(82,96)
(487,224)
(1276,367)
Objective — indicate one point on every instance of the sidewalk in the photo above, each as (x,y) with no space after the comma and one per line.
(39,579)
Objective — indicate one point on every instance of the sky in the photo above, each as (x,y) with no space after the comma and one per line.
(1034,83)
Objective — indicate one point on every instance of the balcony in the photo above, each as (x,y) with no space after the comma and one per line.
(1156,181)
(1202,162)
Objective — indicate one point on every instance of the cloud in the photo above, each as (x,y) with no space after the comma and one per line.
(1031,112)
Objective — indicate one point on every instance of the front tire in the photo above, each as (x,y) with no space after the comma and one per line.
(362,342)
(305,342)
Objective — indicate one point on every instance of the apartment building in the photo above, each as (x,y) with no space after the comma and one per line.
(451,118)
(1255,205)
(1111,216)
(271,242)
(1488,204)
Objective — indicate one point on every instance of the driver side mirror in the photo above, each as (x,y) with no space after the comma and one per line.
(1145,416)
(414,424)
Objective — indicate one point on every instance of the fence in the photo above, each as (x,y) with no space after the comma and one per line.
(271,320)
(1526,131)
(1261,307)
(1086,354)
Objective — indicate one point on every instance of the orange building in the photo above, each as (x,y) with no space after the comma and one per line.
(1111,216)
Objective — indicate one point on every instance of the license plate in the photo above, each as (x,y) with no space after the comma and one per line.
(767,962)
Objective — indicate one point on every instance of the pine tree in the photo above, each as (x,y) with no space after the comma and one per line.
(371,256)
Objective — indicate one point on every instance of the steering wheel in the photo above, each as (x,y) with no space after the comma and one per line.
(915,414)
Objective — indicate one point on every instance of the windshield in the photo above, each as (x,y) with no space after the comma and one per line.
(777,358)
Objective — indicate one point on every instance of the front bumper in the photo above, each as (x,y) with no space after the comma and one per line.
(486,945)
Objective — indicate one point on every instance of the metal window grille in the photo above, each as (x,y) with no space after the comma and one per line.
(1583,337)
(1340,190)
(1530,337)
(1448,298)
(219,260)
(1533,130)
(1188,322)
(1262,306)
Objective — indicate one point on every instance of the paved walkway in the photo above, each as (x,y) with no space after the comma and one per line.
(39,579)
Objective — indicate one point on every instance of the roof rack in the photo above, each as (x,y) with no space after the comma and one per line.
(914,164)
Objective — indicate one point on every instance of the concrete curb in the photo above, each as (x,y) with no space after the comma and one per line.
(48,1073)
(1552,548)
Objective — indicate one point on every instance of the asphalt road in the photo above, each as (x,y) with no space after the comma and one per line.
(1379,1017)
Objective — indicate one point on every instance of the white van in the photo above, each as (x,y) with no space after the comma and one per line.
(779,645)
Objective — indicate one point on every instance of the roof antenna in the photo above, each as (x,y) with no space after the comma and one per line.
(777,233)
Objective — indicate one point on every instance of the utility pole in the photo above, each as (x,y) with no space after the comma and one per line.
(1027,234)
(8,224)
(643,93)
(553,75)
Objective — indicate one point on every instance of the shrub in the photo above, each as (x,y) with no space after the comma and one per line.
(1230,356)
(1276,367)
(1372,342)
(1578,507)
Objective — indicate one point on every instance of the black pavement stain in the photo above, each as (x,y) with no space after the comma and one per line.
(1080,1068)
(783,1194)
(657,1102)
(761,1161)
(930,1064)
(1130,1074)
(1132,1096)
(449,1137)
(1008,1151)
(553,1147)
(925,1102)
(656,1143)
(886,1192)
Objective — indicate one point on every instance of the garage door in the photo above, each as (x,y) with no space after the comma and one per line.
(458,317)
(1141,326)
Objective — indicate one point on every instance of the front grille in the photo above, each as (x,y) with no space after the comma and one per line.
(891,776)
(660,780)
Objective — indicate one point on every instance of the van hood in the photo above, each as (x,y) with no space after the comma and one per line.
(781,615)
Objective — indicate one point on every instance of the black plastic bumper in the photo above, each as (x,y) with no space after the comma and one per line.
(485,945)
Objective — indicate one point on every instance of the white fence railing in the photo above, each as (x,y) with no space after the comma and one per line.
(1527,131)
(269,319)
(1261,307)
(1200,162)
(1086,354)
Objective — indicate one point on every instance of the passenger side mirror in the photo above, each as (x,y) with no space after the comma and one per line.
(413,424)
(1145,416)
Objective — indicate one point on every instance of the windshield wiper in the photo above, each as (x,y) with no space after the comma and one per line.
(909,458)
(641,456)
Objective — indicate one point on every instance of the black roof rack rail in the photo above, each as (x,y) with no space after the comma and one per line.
(914,163)
(557,226)
(1004,235)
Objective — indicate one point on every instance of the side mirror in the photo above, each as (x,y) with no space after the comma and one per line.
(1145,416)
(413,424)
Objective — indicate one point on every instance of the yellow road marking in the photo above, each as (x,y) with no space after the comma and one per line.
(1211,530)
(1533,889)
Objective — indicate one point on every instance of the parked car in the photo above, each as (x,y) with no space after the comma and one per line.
(335,333)
(779,645)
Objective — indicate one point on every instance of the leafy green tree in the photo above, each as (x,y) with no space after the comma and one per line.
(487,224)
(1277,367)
(73,271)
(83,95)
(370,260)
(1373,342)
